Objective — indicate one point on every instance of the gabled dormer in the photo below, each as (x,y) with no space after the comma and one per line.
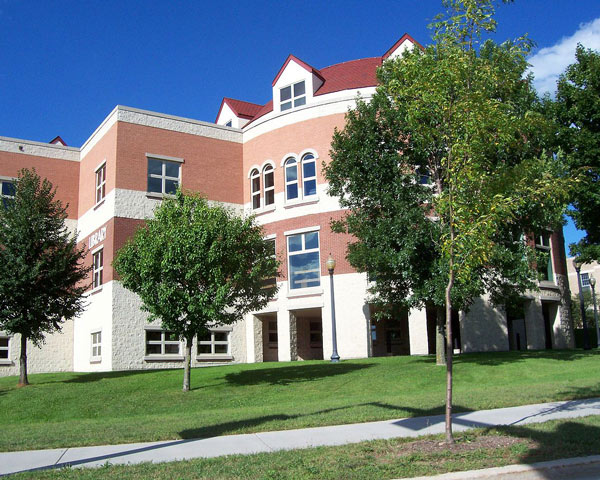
(405,42)
(236,113)
(295,85)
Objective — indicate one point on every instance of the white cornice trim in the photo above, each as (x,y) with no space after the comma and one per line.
(38,149)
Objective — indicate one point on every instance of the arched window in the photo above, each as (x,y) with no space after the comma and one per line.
(291,179)
(269,185)
(309,175)
(255,188)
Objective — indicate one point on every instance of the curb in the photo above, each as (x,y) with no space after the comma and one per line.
(564,468)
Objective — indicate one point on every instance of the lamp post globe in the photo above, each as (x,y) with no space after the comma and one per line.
(331,267)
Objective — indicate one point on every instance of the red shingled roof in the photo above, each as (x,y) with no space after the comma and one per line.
(242,109)
(342,76)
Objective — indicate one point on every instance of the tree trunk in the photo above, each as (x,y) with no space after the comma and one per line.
(23,380)
(187,364)
(449,352)
(440,347)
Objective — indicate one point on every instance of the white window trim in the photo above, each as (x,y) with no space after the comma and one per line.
(95,358)
(7,361)
(163,176)
(161,356)
(7,180)
(316,228)
(301,199)
(265,172)
(293,98)
(212,342)
(100,270)
(102,186)
(302,162)
(305,290)
(292,182)
(254,174)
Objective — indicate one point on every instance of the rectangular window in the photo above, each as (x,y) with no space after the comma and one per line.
(316,334)
(272,332)
(544,257)
(585,280)
(96,345)
(292,96)
(162,342)
(97,267)
(216,342)
(7,192)
(101,183)
(163,176)
(304,263)
(4,342)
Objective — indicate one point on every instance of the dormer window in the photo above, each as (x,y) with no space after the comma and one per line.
(229,123)
(293,96)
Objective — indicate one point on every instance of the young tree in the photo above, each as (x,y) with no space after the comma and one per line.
(41,270)
(196,266)
(578,115)
(463,112)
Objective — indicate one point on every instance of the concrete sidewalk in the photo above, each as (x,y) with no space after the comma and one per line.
(166,451)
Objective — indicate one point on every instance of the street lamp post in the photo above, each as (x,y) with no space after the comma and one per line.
(586,340)
(593,285)
(331,266)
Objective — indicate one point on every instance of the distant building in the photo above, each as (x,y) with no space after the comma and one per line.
(261,159)
(588,270)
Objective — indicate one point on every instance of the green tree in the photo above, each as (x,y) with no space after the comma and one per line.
(463,112)
(578,115)
(196,266)
(42,278)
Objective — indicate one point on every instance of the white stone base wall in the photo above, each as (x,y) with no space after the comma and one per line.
(55,355)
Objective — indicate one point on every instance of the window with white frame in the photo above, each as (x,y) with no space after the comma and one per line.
(291,178)
(97,267)
(7,192)
(163,176)
(100,182)
(544,257)
(309,175)
(585,280)
(303,258)
(292,96)
(269,185)
(255,188)
(162,342)
(215,342)
(4,344)
(96,345)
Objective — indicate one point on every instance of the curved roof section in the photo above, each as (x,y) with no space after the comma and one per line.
(336,78)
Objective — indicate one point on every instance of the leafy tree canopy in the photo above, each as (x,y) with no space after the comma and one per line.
(578,115)
(462,112)
(197,266)
(42,278)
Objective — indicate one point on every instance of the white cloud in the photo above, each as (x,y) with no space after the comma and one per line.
(548,63)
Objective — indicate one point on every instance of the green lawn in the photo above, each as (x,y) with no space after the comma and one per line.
(90,409)
(378,459)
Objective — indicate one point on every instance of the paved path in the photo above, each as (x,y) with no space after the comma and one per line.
(165,451)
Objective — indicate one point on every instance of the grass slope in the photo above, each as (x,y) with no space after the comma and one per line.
(90,409)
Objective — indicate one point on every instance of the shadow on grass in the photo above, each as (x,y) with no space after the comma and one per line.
(97,376)
(500,358)
(569,439)
(251,424)
(294,373)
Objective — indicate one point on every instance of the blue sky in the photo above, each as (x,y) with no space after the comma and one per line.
(65,65)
